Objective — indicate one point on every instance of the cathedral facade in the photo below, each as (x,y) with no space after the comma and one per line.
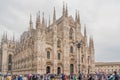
(49,48)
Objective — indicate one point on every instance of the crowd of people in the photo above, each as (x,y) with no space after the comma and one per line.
(97,76)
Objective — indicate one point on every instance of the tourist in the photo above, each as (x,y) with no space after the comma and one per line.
(116,76)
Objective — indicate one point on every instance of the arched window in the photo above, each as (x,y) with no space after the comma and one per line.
(58,56)
(58,44)
(71,49)
(48,55)
(71,34)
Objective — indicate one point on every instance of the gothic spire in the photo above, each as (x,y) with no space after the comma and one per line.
(63,9)
(31,23)
(6,36)
(43,22)
(38,20)
(39,16)
(54,16)
(90,43)
(66,11)
(78,18)
(85,30)
(49,21)
(13,38)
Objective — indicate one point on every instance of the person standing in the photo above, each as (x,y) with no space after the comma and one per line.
(116,76)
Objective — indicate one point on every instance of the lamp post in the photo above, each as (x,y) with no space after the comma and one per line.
(78,44)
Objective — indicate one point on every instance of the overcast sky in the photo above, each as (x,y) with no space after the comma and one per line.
(102,19)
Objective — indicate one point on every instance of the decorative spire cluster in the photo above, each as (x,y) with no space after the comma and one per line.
(65,11)
(38,23)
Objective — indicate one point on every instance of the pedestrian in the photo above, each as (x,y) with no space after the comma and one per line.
(39,77)
(116,76)
(90,77)
(80,77)
(65,77)
(20,77)
(62,76)
(13,77)
(8,78)
(75,77)
(111,77)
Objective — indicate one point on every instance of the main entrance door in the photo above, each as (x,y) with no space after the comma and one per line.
(71,68)
(48,69)
(58,70)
